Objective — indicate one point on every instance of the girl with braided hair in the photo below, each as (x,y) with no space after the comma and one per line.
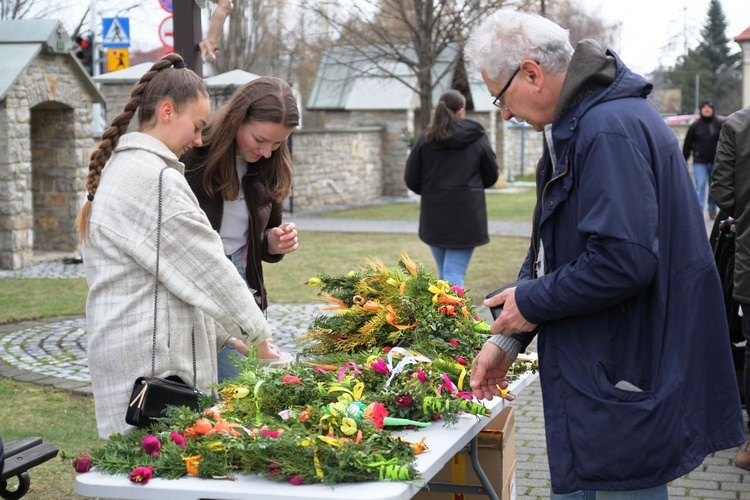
(118,230)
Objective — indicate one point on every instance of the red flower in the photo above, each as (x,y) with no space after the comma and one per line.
(453,342)
(404,400)
(291,379)
(296,480)
(376,413)
(178,439)
(82,463)
(151,445)
(142,475)
(387,349)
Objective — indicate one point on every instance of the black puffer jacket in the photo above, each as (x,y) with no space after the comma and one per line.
(451,178)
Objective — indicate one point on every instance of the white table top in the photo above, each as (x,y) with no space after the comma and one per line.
(443,442)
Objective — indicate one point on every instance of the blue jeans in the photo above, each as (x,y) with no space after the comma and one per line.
(702,173)
(656,493)
(224,364)
(452,263)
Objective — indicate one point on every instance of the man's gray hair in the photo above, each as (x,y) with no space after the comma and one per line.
(507,37)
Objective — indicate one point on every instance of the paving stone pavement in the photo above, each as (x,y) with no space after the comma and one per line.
(53,352)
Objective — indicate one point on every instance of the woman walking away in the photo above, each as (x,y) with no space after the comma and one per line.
(450,166)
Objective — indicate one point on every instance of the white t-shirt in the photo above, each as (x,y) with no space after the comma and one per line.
(235,222)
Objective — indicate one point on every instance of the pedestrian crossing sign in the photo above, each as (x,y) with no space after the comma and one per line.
(117,59)
(116,32)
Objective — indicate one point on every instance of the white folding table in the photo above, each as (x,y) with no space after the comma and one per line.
(443,443)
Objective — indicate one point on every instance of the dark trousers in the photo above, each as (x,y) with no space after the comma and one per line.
(745,388)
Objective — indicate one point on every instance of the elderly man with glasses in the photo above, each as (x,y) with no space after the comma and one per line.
(619,284)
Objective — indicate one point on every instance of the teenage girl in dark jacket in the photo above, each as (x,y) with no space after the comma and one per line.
(241,175)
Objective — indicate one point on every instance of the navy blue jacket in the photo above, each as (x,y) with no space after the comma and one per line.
(630,299)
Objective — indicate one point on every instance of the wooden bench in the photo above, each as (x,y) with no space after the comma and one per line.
(20,456)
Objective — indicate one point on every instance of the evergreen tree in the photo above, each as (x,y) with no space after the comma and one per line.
(717,67)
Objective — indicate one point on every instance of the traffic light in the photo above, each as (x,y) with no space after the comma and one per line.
(84,52)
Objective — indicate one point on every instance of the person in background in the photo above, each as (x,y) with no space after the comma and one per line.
(731,190)
(700,141)
(118,230)
(450,165)
(638,386)
(241,175)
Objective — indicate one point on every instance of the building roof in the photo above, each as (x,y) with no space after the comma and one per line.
(234,78)
(23,40)
(744,36)
(352,78)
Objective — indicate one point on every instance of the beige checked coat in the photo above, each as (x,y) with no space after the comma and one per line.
(196,281)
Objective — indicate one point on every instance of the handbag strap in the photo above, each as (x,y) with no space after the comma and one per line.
(156,291)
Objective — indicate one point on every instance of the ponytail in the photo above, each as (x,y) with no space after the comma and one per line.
(445,113)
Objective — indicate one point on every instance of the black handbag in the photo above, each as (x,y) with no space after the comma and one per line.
(151,395)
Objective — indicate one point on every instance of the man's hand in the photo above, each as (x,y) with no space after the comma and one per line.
(488,372)
(510,320)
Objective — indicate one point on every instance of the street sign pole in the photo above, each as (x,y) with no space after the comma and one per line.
(187,33)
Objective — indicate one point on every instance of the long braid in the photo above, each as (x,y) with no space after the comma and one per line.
(112,135)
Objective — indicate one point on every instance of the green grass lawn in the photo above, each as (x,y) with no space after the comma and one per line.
(67,420)
(501,205)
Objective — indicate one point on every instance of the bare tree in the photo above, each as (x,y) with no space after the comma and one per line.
(29,9)
(381,38)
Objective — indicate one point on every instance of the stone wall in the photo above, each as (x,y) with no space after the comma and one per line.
(394,149)
(337,167)
(45,133)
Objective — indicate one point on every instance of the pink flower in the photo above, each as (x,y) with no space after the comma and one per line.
(461,360)
(466,395)
(320,370)
(82,463)
(404,400)
(296,480)
(274,470)
(271,434)
(178,439)
(380,366)
(458,290)
(420,376)
(141,475)
(151,445)
(454,342)
(291,379)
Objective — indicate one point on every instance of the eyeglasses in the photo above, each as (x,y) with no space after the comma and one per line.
(499,98)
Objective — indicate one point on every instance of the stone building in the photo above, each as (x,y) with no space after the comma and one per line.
(349,92)
(46,99)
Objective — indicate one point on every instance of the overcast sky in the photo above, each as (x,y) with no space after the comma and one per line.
(653,32)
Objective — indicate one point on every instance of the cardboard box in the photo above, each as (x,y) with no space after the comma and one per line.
(497,457)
